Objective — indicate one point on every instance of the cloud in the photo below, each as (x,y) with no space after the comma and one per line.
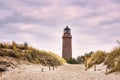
(41,23)
(5,13)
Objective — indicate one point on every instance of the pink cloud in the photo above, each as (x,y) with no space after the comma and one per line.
(51,16)
(4,13)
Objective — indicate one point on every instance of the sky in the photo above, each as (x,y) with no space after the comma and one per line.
(95,24)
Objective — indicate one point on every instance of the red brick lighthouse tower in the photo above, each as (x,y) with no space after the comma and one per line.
(67,44)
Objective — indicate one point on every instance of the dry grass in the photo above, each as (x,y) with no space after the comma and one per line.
(96,58)
(27,53)
(112,59)
(116,65)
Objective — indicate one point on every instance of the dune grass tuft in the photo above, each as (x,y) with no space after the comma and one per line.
(96,58)
(30,54)
(111,59)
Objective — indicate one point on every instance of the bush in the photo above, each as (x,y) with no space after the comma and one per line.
(25,45)
(81,59)
(72,61)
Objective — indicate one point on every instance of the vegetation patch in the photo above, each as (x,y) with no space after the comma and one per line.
(23,52)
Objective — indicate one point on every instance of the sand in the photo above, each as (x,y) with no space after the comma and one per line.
(65,72)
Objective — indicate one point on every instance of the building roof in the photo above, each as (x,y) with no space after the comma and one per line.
(67,28)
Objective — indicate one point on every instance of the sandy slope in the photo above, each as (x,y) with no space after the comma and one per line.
(65,72)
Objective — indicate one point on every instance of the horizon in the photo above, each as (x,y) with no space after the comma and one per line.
(41,24)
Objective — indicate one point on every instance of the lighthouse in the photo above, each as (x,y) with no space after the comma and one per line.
(67,43)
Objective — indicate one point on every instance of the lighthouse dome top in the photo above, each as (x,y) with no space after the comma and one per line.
(67,30)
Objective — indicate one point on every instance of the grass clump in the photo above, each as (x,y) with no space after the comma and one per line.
(23,52)
(96,58)
(113,60)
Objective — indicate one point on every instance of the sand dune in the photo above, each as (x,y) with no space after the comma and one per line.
(65,72)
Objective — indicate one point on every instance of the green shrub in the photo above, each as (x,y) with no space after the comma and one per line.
(81,59)
(72,61)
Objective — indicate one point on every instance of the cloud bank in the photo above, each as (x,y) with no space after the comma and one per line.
(94,24)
